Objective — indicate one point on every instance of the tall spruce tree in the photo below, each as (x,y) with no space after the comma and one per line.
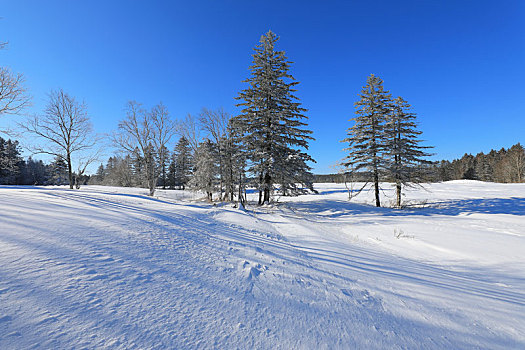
(271,120)
(403,148)
(366,138)
(181,167)
(138,170)
(163,158)
(98,178)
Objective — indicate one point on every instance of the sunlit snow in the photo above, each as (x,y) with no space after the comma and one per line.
(112,268)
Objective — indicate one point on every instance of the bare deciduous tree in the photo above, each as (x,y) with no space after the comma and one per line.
(163,130)
(83,163)
(65,130)
(215,123)
(147,132)
(189,128)
(135,134)
(13,94)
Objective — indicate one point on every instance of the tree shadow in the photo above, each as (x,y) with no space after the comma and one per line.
(337,208)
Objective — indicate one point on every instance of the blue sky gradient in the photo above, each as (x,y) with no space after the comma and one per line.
(459,63)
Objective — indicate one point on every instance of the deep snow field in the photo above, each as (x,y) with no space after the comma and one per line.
(110,268)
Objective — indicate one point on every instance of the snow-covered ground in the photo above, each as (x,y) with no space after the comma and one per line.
(112,268)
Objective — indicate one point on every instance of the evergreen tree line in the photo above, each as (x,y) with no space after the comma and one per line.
(129,170)
(15,170)
(505,165)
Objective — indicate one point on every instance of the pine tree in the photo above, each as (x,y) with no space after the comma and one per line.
(516,163)
(483,168)
(163,165)
(271,121)
(99,176)
(138,170)
(59,171)
(11,163)
(205,177)
(403,147)
(366,137)
(445,171)
(170,178)
(151,168)
(181,166)
(36,173)
(295,171)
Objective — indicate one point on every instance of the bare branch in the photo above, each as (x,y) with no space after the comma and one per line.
(147,133)
(65,129)
(13,94)
(215,123)
(163,126)
(189,129)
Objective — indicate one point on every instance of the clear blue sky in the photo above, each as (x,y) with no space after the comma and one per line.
(461,64)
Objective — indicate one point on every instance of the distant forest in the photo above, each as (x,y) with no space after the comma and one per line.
(15,170)
(505,166)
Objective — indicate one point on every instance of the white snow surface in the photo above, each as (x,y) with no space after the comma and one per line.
(111,268)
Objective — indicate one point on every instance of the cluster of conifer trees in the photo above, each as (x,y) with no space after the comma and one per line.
(383,142)
(15,170)
(128,170)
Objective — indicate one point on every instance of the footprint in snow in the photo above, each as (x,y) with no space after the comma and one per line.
(363,298)
(253,271)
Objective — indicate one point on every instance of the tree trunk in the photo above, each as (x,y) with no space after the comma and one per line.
(266,198)
(261,178)
(398,193)
(397,166)
(151,178)
(70,171)
(232,183)
(163,174)
(376,185)
(151,190)
(240,197)
(221,197)
(267,188)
